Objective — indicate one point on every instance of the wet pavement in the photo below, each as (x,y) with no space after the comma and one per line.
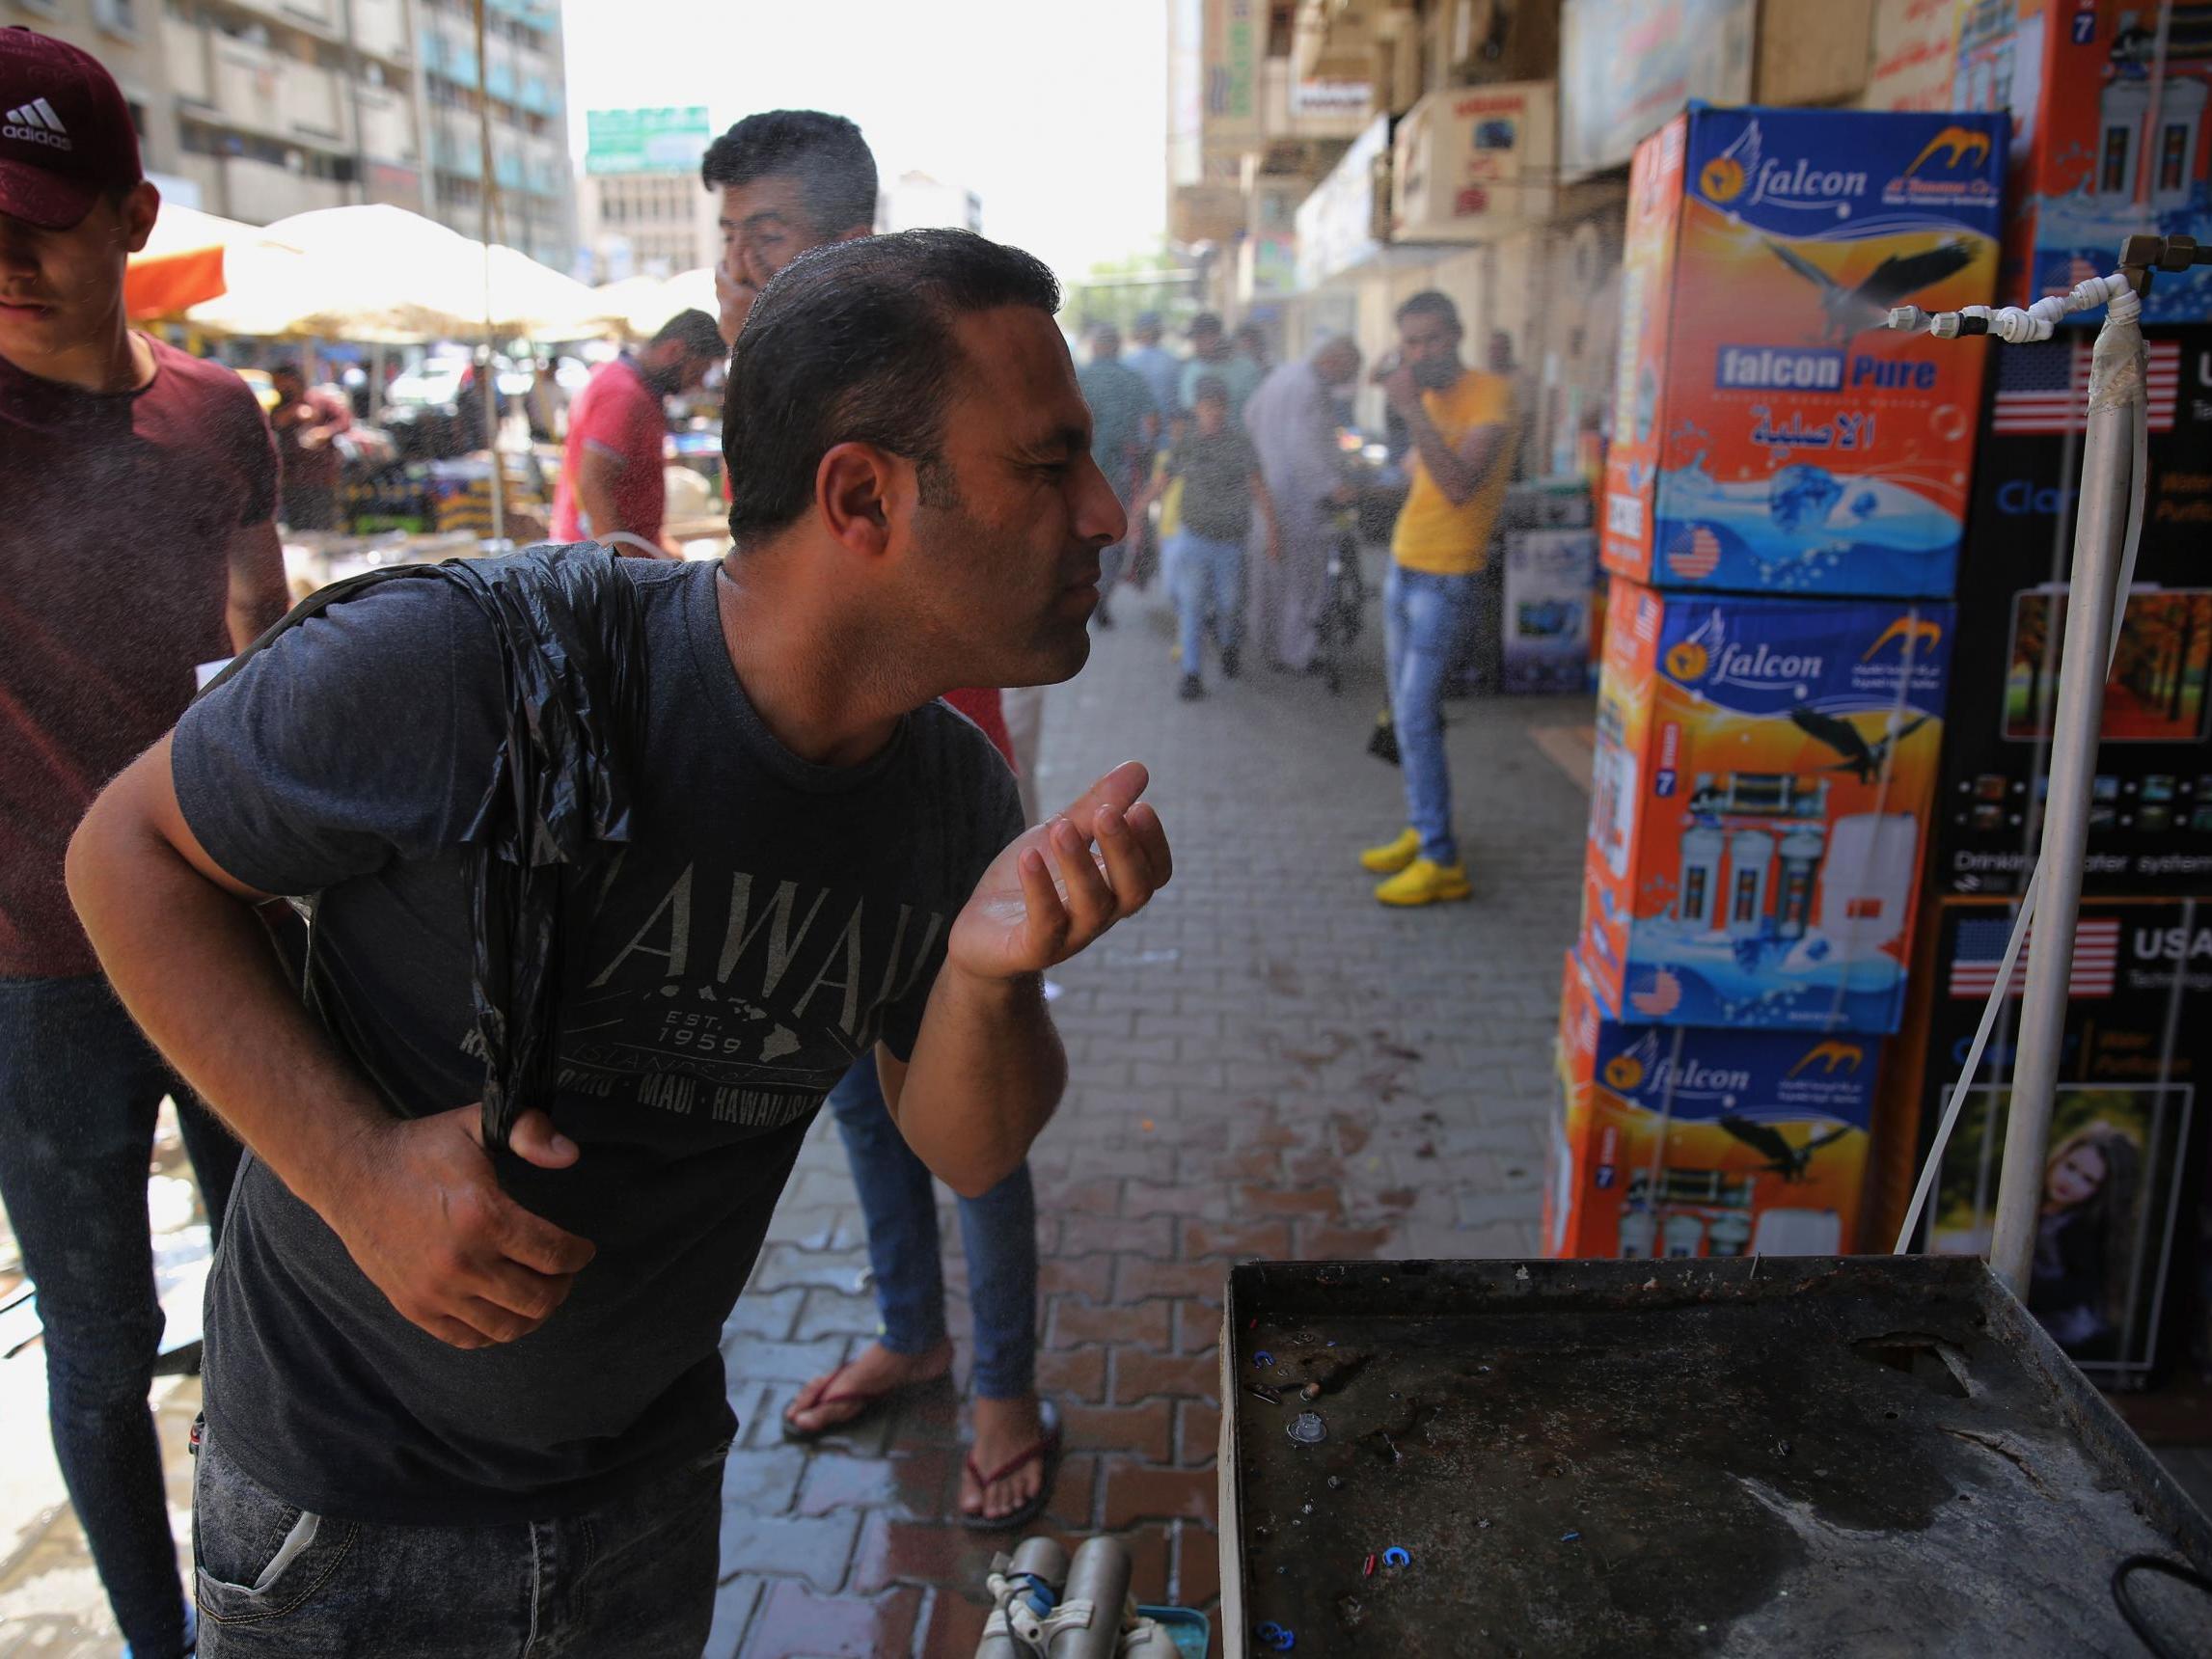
(1265,1064)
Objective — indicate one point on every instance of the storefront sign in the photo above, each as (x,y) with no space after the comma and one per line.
(1267,265)
(1330,99)
(1336,223)
(620,140)
(1233,43)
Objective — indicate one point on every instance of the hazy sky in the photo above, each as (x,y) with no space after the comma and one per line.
(1053,111)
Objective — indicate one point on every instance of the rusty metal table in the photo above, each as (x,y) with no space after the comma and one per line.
(1801,1455)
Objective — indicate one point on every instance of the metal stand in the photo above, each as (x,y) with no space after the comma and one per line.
(2100,533)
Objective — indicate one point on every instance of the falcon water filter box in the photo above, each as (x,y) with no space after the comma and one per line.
(2109,137)
(1771,436)
(1763,777)
(1674,1140)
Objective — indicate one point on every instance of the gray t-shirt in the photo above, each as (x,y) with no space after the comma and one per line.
(769,922)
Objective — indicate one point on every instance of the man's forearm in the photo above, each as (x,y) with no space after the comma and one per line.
(194,966)
(256,597)
(988,1070)
(247,619)
(1453,475)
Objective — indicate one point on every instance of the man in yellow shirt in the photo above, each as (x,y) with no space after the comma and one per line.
(1461,420)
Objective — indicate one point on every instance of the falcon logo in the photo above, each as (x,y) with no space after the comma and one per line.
(1722,180)
(1956,142)
(1828,1056)
(36,122)
(1914,631)
(1687,661)
(1623,1072)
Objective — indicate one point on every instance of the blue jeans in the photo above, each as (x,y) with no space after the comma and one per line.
(1208,580)
(635,1576)
(79,1088)
(1425,622)
(999,1230)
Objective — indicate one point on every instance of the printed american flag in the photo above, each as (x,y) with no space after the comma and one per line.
(1693,554)
(1658,999)
(2045,387)
(1980,952)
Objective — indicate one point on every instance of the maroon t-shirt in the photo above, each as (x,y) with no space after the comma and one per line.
(115,515)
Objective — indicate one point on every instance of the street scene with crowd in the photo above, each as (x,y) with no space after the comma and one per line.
(1266,891)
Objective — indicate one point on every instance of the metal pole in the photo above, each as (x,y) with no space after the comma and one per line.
(490,386)
(2100,532)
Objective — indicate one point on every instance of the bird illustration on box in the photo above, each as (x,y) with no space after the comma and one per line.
(1862,760)
(1868,304)
(1789,1162)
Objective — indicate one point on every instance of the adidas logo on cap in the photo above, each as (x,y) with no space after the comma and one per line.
(36,122)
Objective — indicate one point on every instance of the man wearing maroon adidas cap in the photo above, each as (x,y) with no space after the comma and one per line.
(137,488)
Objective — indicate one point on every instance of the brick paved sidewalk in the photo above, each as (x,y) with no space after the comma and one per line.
(1268,1062)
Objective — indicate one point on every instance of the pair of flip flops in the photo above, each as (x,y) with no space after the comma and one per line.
(1045,1450)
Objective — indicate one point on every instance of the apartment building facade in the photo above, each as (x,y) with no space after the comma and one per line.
(260,109)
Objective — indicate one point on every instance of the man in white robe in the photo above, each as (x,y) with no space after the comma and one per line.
(1292,420)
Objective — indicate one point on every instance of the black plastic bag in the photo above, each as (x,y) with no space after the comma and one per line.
(571,643)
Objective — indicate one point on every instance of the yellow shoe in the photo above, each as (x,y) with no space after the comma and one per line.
(1395,856)
(1425,881)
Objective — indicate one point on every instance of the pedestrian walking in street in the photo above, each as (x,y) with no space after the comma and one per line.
(1292,420)
(1125,423)
(547,404)
(611,488)
(821,865)
(1211,354)
(1223,492)
(138,539)
(307,420)
(1162,374)
(785,176)
(1253,348)
(1462,421)
(1162,370)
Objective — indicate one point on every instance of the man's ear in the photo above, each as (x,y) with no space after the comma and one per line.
(855,489)
(140,209)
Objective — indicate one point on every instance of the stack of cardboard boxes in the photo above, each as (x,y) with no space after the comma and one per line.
(2109,137)
(1784,505)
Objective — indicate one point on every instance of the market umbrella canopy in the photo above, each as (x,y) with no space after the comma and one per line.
(642,303)
(192,257)
(376,272)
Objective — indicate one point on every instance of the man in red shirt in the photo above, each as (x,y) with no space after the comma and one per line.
(305,419)
(611,490)
(137,486)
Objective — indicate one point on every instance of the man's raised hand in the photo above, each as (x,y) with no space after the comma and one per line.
(1065,882)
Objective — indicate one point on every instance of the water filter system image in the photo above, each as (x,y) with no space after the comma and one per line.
(1690,1142)
(1762,772)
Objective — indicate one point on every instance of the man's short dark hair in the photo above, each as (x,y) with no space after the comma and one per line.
(695,331)
(826,153)
(852,344)
(1205,322)
(1430,303)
